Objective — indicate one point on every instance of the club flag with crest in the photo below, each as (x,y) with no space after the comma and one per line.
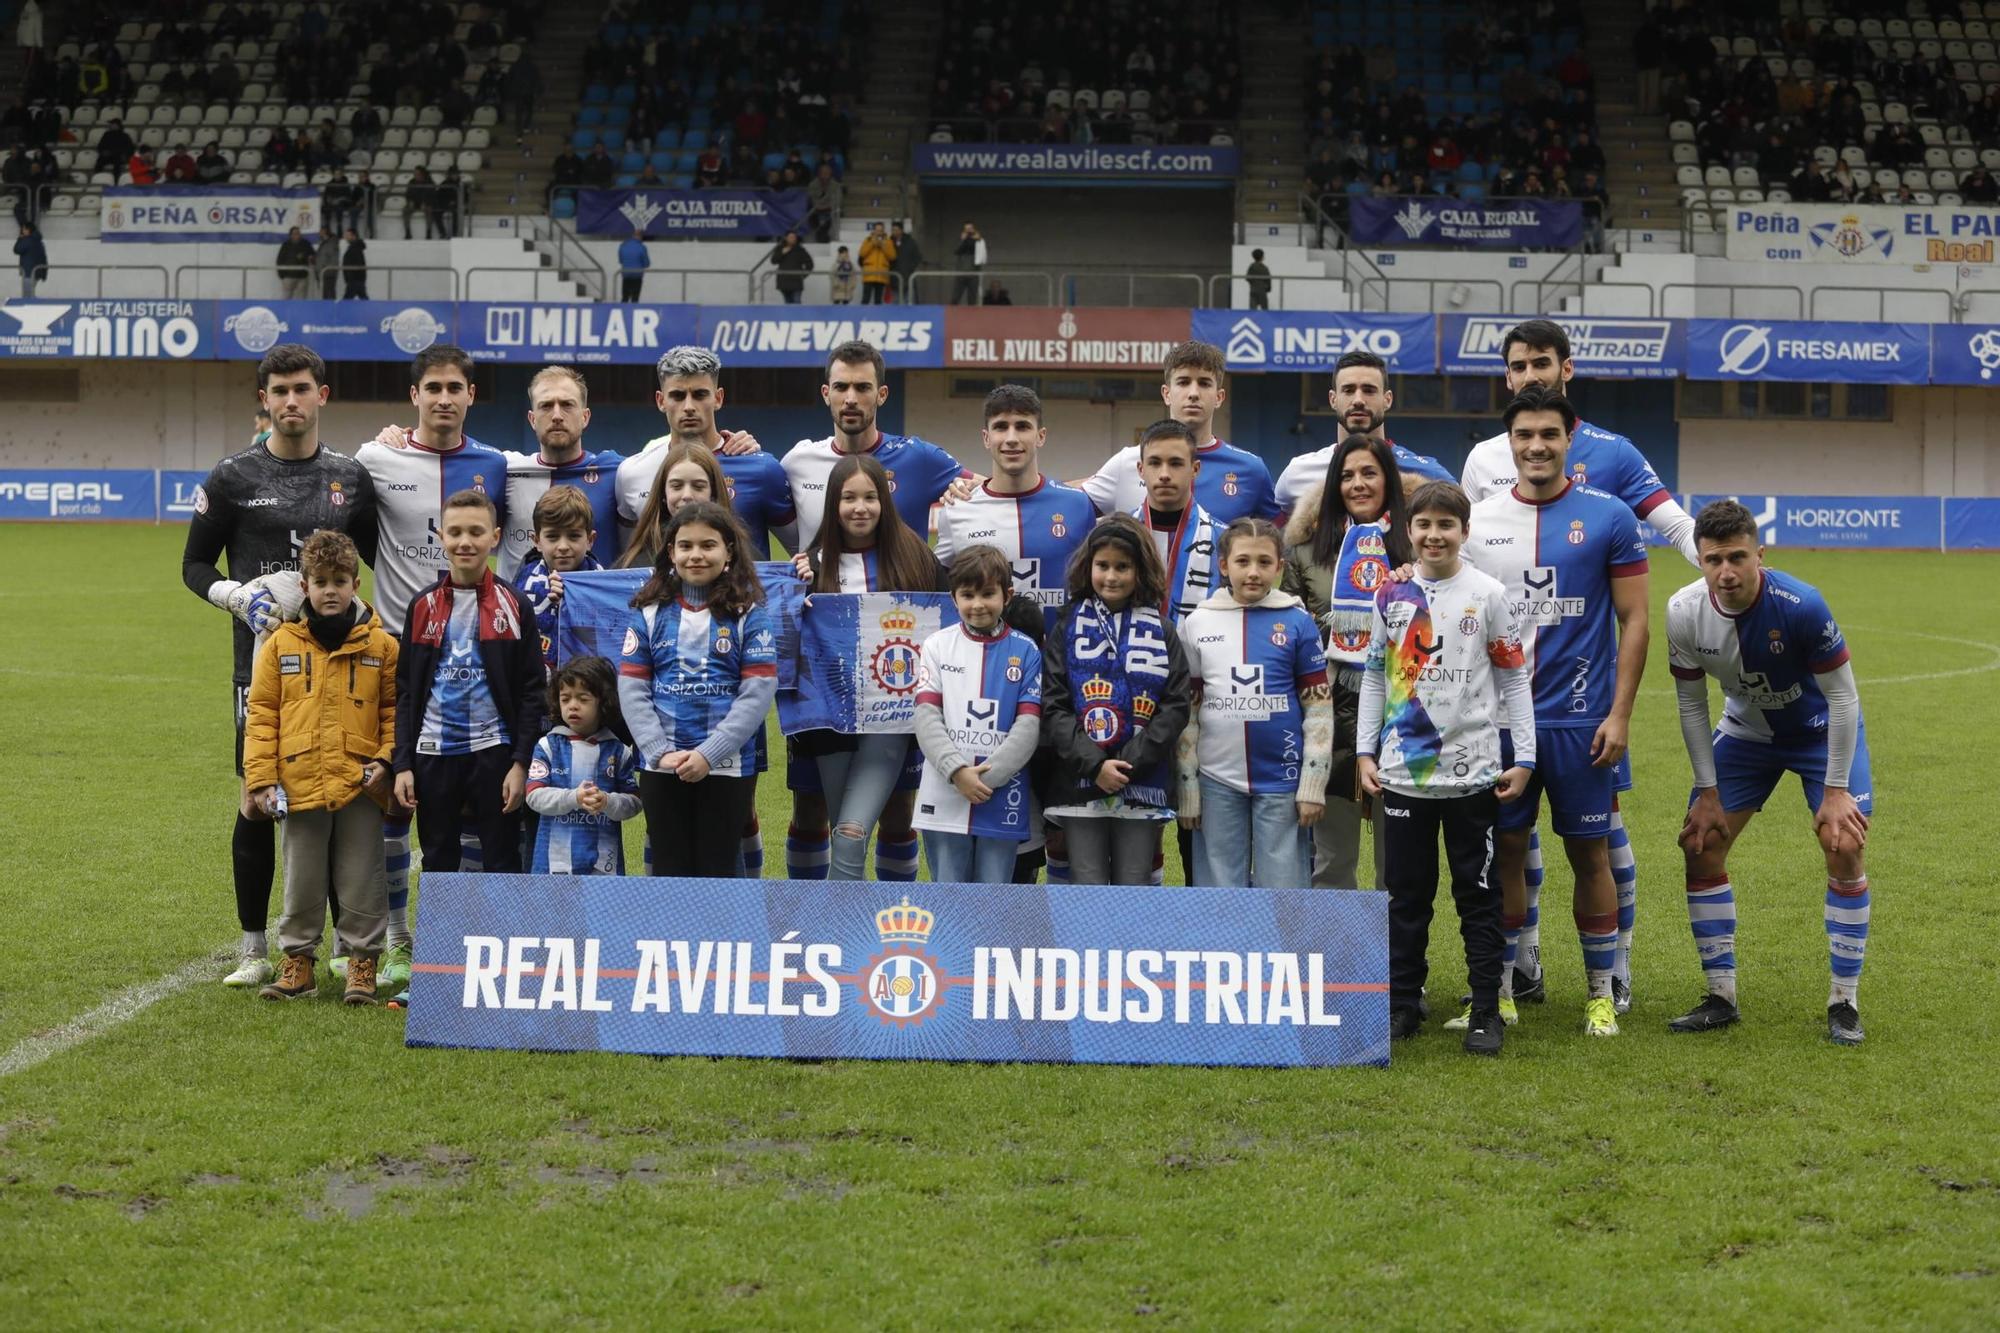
(857,661)
(597,606)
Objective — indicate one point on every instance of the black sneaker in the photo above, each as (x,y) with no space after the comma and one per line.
(1843,1025)
(1530,990)
(1621,995)
(1482,1034)
(1713,1012)
(1404,1023)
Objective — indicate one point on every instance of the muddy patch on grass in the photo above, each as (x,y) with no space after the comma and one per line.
(354,1194)
(202,1179)
(142,1205)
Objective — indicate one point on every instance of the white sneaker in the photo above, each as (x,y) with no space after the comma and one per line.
(254,970)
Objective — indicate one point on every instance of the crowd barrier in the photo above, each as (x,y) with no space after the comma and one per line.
(932,337)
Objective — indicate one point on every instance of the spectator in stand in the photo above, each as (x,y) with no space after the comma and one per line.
(447,200)
(1444,156)
(340,203)
(364,204)
(633,261)
(968,257)
(1810,186)
(566,176)
(649,178)
(180,169)
(17,174)
(225,82)
(1776,160)
(114,148)
(278,152)
(34,259)
(1386,185)
(795,174)
(1646,44)
(709,169)
(1532,186)
(823,202)
(212,168)
(364,128)
(878,260)
(1905,196)
(354,264)
(909,258)
(1596,202)
(419,199)
(1979,187)
(751,126)
(295,258)
(326,264)
(1841,185)
(454,105)
(792,261)
(140,168)
(28,33)
(1585,155)
(843,277)
(599,171)
(303,157)
(997,294)
(1259,284)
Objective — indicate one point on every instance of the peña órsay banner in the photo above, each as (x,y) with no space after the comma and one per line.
(845,970)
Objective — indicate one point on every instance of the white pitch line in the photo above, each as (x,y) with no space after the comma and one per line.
(119,1009)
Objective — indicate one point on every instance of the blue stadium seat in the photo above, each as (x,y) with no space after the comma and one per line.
(616,33)
(773,161)
(625,94)
(583,140)
(1471,171)
(632,162)
(597,93)
(669,137)
(625,180)
(1471,190)
(698,121)
(687,159)
(681,181)
(563,206)
(695,138)
(663,159)
(589,118)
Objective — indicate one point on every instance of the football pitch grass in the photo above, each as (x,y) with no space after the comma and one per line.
(210,1159)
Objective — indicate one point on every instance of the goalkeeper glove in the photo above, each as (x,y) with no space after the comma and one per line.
(252,605)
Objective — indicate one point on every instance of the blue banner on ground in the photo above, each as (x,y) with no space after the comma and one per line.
(1723,349)
(177,495)
(1602,348)
(1063,164)
(1471,224)
(857,668)
(579,332)
(1965,354)
(72,495)
(910,337)
(212,213)
(597,606)
(1312,340)
(1845,522)
(842,970)
(738,215)
(337,330)
(1971,525)
(135,329)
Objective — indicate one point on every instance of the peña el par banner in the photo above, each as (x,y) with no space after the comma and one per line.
(844,970)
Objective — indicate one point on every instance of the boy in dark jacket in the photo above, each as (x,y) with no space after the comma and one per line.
(470,696)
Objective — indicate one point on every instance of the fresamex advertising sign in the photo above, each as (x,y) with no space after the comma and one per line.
(1809,351)
(832,969)
(1603,348)
(1057,338)
(1312,340)
(1861,234)
(909,337)
(126,329)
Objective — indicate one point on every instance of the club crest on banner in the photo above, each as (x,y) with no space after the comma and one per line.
(903,983)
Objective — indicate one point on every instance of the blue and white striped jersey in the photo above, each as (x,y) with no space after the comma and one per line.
(410,489)
(1769,658)
(759,490)
(569,840)
(980,685)
(1557,560)
(460,717)
(692,662)
(1252,663)
(1232,483)
(919,474)
(529,478)
(1038,531)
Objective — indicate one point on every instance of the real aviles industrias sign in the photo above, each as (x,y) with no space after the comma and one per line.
(943,971)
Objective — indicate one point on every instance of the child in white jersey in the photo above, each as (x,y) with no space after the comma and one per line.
(979,715)
(1443,651)
(583,781)
(1256,756)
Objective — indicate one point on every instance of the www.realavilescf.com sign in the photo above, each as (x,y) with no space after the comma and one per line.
(1062,973)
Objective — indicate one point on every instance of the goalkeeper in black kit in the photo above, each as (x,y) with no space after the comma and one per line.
(256,508)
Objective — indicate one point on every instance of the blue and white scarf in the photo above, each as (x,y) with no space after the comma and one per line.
(1361,568)
(1191,554)
(1117,680)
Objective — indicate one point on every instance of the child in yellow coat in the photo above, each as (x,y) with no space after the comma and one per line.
(320,725)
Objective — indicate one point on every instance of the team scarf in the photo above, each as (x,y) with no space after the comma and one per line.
(1117,680)
(499,612)
(1191,568)
(1361,568)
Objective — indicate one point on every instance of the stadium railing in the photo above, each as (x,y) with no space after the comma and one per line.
(191,281)
(1025,129)
(935,285)
(145,286)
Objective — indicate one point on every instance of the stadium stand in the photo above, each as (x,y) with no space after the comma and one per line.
(749,94)
(1465,97)
(290,94)
(1041,71)
(1832,101)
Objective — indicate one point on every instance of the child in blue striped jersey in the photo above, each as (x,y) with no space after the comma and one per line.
(584,781)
